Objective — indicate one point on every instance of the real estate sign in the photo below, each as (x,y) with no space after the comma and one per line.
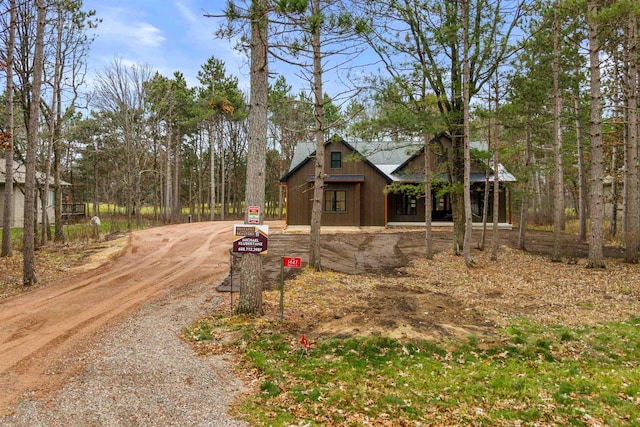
(249,238)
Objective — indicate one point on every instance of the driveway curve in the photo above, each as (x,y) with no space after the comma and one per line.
(47,333)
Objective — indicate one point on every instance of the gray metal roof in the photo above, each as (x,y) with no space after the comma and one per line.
(387,156)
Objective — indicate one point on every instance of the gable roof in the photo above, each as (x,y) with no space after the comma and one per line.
(19,173)
(383,156)
(389,157)
(503,174)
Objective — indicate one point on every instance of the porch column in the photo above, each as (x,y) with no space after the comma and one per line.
(359,205)
(386,210)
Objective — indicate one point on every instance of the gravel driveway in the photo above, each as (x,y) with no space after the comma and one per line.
(140,373)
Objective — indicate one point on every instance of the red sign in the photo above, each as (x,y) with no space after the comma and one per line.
(292,262)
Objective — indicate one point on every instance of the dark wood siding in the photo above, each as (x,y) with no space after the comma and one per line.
(363,184)
(300,195)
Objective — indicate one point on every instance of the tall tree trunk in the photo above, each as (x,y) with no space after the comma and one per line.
(176,209)
(251,264)
(428,201)
(527,188)
(7,219)
(44,191)
(582,190)
(558,179)
(56,123)
(485,195)
(632,202)
(28,252)
(596,211)
(223,181)
(467,136)
(212,171)
(485,207)
(168,181)
(496,176)
(613,229)
(315,258)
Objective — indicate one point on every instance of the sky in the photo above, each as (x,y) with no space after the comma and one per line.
(174,35)
(167,35)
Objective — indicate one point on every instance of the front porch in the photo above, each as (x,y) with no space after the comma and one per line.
(437,225)
(447,224)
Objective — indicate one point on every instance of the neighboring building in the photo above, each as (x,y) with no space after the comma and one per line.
(356,176)
(18,194)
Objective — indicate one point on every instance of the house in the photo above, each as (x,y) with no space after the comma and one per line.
(18,194)
(359,175)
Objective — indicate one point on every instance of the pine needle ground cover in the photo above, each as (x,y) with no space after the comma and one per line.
(521,341)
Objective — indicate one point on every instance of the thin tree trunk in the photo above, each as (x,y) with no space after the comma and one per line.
(428,201)
(212,172)
(28,252)
(613,230)
(558,185)
(223,181)
(467,136)
(485,195)
(485,210)
(596,211)
(168,181)
(632,219)
(496,178)
(315,258)
(46,232)
(56,122)
(527,188)
(582,190)
(7,219)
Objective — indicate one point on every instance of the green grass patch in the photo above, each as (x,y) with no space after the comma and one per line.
(541,375)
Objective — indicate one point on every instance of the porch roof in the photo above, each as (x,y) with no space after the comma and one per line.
(339,178)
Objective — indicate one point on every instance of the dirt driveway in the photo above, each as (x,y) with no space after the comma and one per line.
(44,327)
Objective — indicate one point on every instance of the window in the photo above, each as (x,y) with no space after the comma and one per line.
(335,201)
(407,205)
(336,160)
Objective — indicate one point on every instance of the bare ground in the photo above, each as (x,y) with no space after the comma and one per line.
(382,285)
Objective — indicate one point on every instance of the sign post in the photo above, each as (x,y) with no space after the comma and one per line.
(290,262)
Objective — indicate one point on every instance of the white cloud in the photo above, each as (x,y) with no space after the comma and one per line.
(119,27)
(183,7)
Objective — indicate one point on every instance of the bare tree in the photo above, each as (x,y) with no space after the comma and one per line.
(466,79)
(428,200)
(7,136)
(66,77)
(558,173)
(28,252)
(120,91)
(496,174)
(632,198)
(596,210)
